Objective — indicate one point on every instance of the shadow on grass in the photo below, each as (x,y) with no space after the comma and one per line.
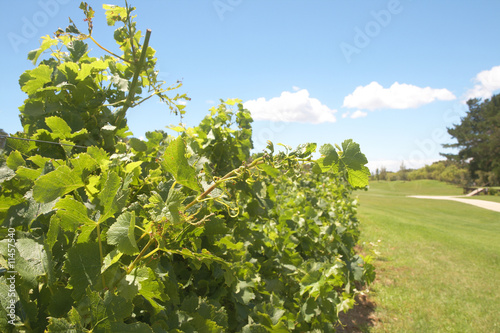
(361,318)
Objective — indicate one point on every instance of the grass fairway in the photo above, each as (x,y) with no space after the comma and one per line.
(439,263)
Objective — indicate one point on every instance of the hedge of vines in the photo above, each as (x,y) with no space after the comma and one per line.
(179,232)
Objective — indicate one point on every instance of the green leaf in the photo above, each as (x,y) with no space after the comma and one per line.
(77,49)
(304,150)
(114,14)
(173,203)
(233,101)
(27,173)
(33,108)
(84,267)
(271,171)
(38,77)
(15,160)
(352,156)
(320,166)
(58,126)
(358,178)
(131,166)
(117,307)
(56,184)
(29,260)
(61,302)
(149,286)
(244,291)
(121,233)
(83,163)
(310,309)
(254,328)
(47,42)
(331,155)
(72,214)
(70,70)
(60,325)
(175,162)
(137,144)
(138,327)
(108,193)
(93,309)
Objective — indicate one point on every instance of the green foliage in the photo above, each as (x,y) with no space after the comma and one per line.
(445,171)
(478,138)
(167,234)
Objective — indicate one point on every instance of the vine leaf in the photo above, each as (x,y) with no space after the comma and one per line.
(358,178)
(108,194)
(84,267)
(117,307)
(47,42)
(72,214)
(59,325)
(354,162)
(121,234)
(30,260)
(15,160)
(149,286)
(331,155)
(176,163)
(56,184)
(352,156)
(138,327)
(58,126)
(37,78)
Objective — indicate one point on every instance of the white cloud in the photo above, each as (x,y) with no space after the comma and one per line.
(397,96)
(354,115)
(487,82)
(295,88)
(359,114)
(291,107)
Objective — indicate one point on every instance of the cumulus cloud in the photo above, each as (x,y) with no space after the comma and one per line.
(295,88)
(359,114)
(291,107)
(487,82)
(354,115)
(398,96)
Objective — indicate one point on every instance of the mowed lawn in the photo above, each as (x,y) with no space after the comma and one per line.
(439,263)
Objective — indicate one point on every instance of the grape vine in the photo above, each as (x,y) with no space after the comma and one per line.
(174,233)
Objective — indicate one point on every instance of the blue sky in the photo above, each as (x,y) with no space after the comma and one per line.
(392,75)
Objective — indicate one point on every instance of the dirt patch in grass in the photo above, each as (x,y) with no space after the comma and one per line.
(360,318)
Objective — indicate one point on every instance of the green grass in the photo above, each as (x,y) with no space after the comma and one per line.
(494,198)
(439,263)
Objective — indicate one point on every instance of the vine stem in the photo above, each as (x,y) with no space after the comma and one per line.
(133,85)
(100,252)
(139,257)
(222,180)
(105,49)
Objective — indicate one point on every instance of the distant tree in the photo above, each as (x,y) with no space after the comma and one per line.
(377,174)
(403,172)
(478,137)
(383,173)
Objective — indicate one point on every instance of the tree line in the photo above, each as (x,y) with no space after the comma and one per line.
(477,160)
